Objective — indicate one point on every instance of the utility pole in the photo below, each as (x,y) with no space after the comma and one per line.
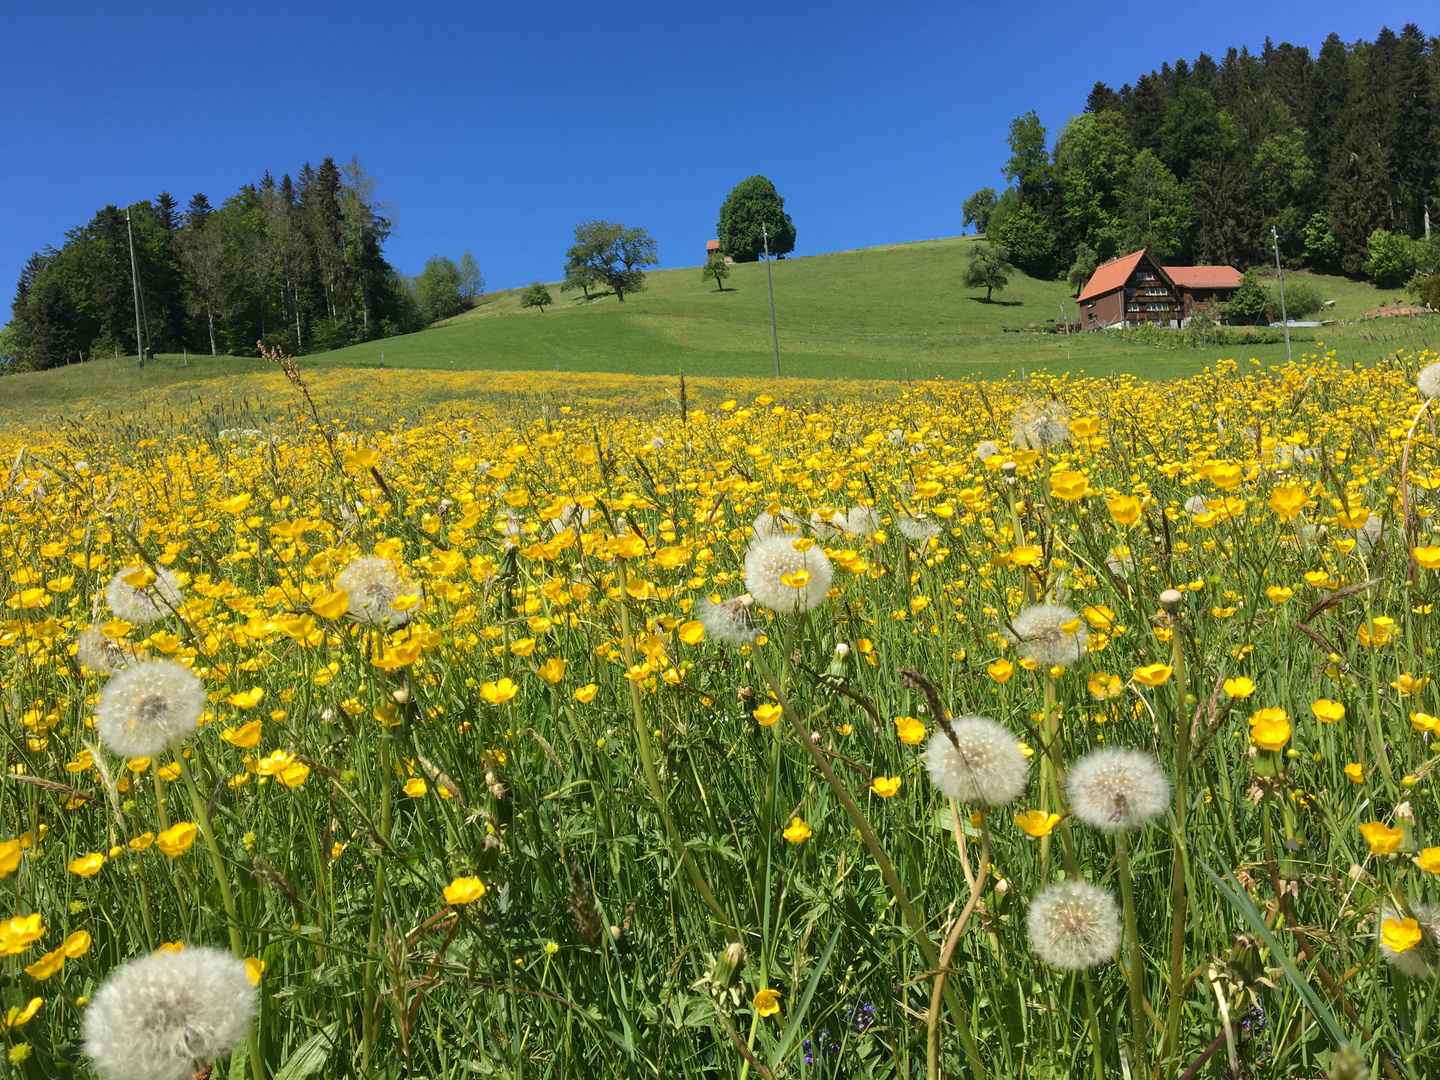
(135,283)
(774,338)
(1280,277)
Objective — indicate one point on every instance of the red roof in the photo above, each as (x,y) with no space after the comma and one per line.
(712,245)
(1111,276)
(1204,277)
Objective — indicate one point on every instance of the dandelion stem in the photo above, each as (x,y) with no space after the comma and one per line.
(1178,898)
(932,1019)
(368,1020)
(1096,1055)
(647,760)
(887,869)
(1133,967)
(217,863)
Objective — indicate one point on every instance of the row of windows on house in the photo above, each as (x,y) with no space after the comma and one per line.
(1148,307)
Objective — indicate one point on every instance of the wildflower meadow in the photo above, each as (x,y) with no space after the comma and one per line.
(1051,727)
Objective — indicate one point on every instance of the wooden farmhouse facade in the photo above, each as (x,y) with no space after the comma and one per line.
(1135,289)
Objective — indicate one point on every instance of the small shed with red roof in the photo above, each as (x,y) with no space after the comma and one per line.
(1135,289)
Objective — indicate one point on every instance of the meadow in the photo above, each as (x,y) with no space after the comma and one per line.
(429,724)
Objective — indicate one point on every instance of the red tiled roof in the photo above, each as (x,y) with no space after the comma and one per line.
(1204,277)
(712,245)
(1111,276)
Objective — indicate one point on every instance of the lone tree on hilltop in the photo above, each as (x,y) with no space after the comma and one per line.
(472,281)
(716,268)
(978,208)
(988,268)
(608,253)
(752,204)
(536,295)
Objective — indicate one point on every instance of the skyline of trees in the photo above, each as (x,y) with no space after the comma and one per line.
(1199,161)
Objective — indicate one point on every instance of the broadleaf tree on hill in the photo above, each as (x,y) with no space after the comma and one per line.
(752,212)
(606,253)
(988,268)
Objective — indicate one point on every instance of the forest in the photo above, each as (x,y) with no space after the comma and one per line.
(294,264)
(1337,152)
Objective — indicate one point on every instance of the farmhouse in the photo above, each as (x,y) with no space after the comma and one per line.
(1135,289)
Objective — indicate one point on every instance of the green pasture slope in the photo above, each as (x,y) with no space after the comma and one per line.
(875,313)
(886,313)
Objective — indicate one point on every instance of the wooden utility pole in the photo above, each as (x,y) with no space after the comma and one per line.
(135,284)
(774,337)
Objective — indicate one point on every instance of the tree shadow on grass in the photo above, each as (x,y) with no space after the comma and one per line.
(995,303)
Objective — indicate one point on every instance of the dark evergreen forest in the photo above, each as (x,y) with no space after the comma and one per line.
(296,264)
(1336,151)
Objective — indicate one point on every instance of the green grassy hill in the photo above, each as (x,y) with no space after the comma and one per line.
(875,313)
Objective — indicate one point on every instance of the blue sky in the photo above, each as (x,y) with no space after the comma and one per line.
(495,128)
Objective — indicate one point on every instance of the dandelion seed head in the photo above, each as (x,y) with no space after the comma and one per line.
(986,450)
(730,622)
(982,767)
(373,586)
(146,604)
(1048,634)
(786,523)
(918,529)
(1115,789)
(1039,425)
(103,655)
(770,561)
(1073,925)
(1428,381)
(158,1017)
(149,706)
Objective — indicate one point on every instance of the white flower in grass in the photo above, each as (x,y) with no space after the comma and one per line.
(982,767)
(103,655)
(145,602)
(373,586)
(782,523)
(149,706)
(1117,790)
(730,622)
(1428,381)
(919,528)
(784,578)
(1039,425)
(1051,635)
(1073,925)
(161,1017)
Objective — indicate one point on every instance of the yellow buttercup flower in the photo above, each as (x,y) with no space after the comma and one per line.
(797,831)
(177,840)
(1382,839)
(1400,934)
(586,693)
(1270,728)
(1356,772)
(766,1003)
(1327,711)
(1238,687)
(1000,670)
(553,670)
(910,730)
(499,692)
(885,786)
(1152,674)
(87,866)
(1037,823)
(1429,860)
(464,890)
(767,714)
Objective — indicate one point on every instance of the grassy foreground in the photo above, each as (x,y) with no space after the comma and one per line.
(545,811)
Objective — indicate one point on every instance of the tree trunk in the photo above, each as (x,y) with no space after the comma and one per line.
(210,312)
(988,289)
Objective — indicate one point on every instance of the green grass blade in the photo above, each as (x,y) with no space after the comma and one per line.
(1235,896)
(310,1058)
(792,1030)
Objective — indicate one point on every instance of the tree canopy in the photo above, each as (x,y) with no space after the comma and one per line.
(608,254)
(754,203)
(296,263)
(987,268)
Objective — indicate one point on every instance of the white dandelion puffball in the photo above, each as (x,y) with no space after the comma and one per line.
(785,579)
(982,767)
(147,603)
(827,528)
(1039,425)
(861,521)
(1073,925)
(918,529)
(986,450)
(1418,960)
(1195,504)
(1428,381)
(373,586)
(160,1017)
(1117,790)
(729,622)
(785,523)
(149,706)
(103,655)
(1051,635)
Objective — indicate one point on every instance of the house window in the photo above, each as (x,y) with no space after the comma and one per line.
(1132,307)
(1157,307)
(1144,275)
(1157,291)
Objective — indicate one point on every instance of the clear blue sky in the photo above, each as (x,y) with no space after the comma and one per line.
(495,128)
